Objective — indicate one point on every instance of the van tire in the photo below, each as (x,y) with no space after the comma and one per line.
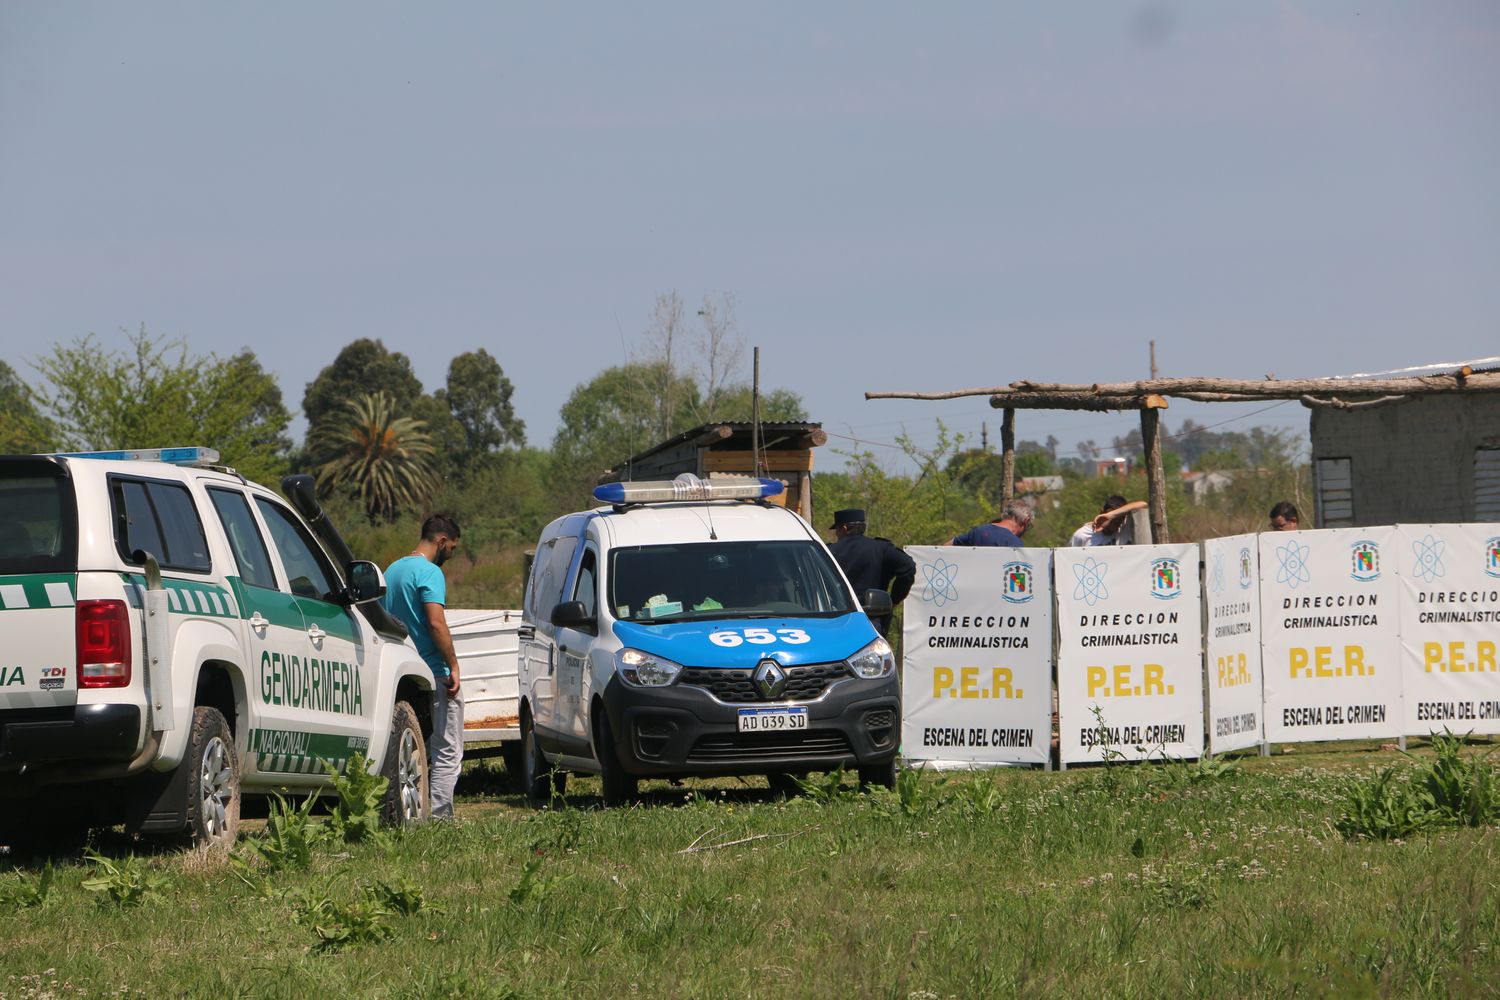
(541,782)
(407,799)
(618,787)
(213,781)
(511,754)
(878,775)
(784,785)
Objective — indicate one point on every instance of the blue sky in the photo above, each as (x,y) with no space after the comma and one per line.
(898,197)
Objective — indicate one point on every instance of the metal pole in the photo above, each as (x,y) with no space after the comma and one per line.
(755,413)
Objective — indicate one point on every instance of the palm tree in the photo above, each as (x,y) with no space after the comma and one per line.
(383,457)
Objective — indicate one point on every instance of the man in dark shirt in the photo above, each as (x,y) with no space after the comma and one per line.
(871,563)
(1005,530)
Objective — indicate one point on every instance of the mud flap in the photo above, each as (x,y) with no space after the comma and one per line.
(157,802)
(158,631)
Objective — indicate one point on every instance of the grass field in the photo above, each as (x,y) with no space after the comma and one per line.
(1128,881)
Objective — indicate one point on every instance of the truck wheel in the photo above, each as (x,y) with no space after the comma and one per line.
(881,775)
(406,800)
(213,793)
(618,787)
(540,782)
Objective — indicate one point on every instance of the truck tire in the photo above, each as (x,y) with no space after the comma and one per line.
(618,787)
(58,830)
(878,775)
(213,786)
(406,801)
(539,781)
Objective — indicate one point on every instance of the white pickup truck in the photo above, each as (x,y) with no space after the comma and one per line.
(171,634)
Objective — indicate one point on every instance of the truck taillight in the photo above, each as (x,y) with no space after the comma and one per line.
(103,644)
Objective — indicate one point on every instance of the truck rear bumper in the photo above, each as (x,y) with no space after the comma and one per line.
(87,734)
(681,731)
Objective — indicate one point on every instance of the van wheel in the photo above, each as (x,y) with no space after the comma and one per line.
(878,775)
(541,782)
(618,787)
(213,793)
(783,785)
(406,800)
(511,754)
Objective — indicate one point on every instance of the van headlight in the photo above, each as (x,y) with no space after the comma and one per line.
(875,660)
(645,669)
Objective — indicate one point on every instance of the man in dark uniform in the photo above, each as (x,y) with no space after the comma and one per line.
(871,563)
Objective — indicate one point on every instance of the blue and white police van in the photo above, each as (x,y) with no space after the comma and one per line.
(692,628)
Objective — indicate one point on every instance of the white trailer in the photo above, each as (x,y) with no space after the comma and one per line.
(487,643)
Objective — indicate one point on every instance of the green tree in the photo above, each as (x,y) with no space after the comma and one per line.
(926,509)
(23,429)
(735,405)
(362,366)
(478,395)
(615,415)
(157,394)
(384,459)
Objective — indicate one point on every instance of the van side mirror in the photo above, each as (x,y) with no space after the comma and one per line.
(366,582)
(875,603)
(572,614)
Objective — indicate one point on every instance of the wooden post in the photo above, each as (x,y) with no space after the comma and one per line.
(1156,480)
(1007,458)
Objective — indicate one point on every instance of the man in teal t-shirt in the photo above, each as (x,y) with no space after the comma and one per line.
(416,593)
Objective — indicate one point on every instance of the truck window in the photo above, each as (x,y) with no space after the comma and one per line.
(159,518)
(306,571)
(249,548)
(38,521)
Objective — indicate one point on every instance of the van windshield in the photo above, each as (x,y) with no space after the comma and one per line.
(653,583)
(37,522)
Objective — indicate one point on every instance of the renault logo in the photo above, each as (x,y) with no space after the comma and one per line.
(770,679)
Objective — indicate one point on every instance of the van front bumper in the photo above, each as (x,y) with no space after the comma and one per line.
(682,730)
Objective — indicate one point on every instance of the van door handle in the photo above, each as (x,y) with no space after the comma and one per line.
(526,632)
(562,649)
(316,634)
(258,622)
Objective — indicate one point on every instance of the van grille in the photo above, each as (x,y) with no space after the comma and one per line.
(737,686)
(811,744)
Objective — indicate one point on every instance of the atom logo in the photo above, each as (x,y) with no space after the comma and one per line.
(1292,568)
(1216,575)
(1090,588)
(938,588)
(1429,553)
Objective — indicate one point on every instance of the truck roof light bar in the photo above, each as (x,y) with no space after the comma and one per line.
(195,456)
(688,487)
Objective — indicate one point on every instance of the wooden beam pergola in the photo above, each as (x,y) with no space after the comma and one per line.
(1149,396)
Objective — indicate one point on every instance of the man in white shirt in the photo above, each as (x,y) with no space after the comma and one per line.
(1111,526)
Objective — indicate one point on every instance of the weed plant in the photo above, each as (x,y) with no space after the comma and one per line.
(1223,879)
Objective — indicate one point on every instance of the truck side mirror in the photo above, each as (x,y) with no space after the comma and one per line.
(366,582)
(875,603)
(573,614)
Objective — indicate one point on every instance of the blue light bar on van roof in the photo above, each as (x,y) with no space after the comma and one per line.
(194,456)
(688,487)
